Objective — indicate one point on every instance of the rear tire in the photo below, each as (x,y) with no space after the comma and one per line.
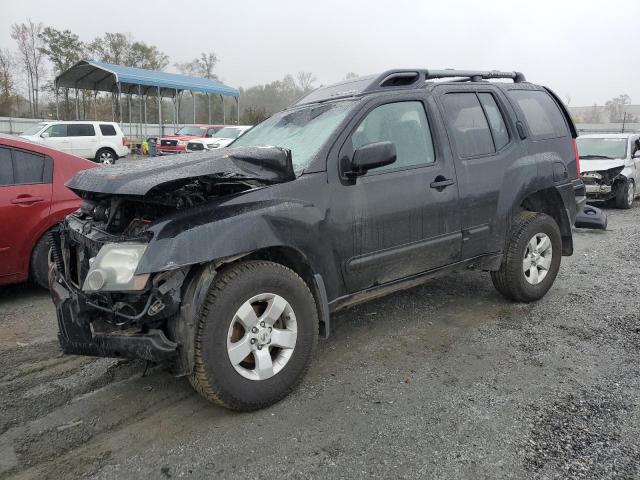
(39,265)
(532,258)
(240,384)
(625,195)
(106,156)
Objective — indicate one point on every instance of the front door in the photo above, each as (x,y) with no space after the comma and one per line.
(25,200)
(401,219)
(56,137)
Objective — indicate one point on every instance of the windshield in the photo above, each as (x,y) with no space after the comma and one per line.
(228,132)
(602,147)
(34,129)
(195,131)
(303,131)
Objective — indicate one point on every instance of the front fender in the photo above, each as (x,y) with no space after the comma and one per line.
(205,234)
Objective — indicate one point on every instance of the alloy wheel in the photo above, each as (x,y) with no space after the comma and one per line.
(537,258)
(262,336)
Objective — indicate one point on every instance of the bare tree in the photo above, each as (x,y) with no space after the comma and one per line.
(305,81)
(200,67)
(351,76)
(616,108)
(28,37)
(7,84)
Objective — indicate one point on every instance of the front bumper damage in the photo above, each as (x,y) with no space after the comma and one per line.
(603,185)
(121,325)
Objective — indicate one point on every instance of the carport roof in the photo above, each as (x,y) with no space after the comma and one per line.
(104,77)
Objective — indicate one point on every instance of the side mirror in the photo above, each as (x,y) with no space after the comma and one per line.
(45,134)
(373,155)
(637,154)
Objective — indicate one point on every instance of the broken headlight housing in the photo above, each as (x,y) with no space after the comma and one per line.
(113,269)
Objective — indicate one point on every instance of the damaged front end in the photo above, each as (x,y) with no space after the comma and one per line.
(105,305)
(603,185)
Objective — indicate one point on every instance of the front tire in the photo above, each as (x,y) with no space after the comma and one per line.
(39,265)
(255,336)
(106,156)
(532,258)
(625,195)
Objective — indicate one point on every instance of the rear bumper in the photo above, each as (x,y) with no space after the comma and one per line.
(78,337)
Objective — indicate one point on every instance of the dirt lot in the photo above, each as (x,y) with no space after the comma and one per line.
(447,380)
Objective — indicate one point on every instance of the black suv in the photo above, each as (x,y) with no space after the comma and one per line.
(226,265)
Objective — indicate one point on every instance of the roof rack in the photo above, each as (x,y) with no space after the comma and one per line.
(411,77)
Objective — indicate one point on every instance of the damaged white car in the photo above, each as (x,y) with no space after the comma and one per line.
(610,167)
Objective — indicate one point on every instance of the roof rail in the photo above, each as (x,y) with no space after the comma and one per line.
(411,77)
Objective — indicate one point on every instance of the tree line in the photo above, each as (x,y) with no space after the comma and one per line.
(42,52)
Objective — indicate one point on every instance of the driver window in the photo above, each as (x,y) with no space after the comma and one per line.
(405,125)
(59,130)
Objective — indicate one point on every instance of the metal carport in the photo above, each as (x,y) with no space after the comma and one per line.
(118,79)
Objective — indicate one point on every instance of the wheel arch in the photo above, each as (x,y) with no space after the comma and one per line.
(549,201)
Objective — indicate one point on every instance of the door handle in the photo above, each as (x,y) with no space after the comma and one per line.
(440,183)
(26,200)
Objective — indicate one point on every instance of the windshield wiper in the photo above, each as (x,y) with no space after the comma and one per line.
(596,156)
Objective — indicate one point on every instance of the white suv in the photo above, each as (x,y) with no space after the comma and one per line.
(102,142)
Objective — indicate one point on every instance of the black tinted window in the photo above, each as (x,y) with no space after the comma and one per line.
(498,127)
(6,169)
(80,130)
(30,168)
(544,118)
(468,124)
(405,125)
(59,130)
(108,130)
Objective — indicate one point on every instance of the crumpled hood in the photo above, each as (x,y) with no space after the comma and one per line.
(269,164)
(597,165)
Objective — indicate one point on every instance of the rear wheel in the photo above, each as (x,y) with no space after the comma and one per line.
(255,336)
(106,156)
(532,258)
(625,194)
(39,265)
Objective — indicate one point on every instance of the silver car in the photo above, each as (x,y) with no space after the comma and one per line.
(610,167)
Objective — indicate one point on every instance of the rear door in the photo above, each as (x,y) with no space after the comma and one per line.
(25,201)
(83,138)
(402,219)
(486,153)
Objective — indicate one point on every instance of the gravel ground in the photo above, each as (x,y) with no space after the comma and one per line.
(446,380)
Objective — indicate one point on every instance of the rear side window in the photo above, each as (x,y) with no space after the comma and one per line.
(30,168)
(541,113)
(498,127)
(108,130)
(6,168)
(80,130)
(468,124)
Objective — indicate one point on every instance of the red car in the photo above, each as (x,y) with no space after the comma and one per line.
(178,143)
(33,199)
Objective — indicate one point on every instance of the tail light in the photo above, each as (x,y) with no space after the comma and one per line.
(577,154)
(124,141)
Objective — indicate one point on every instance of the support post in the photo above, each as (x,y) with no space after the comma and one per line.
(159,114)
(57,106)
(95,105)
(209,106)
(119,102)
(77,112)
(140,111)
(238,105)
(146,125)
(129,105)
(194,106)
(224,118)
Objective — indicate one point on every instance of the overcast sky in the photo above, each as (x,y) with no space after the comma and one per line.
(587,50)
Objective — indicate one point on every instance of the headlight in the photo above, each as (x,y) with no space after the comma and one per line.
(113,269)
(182,143)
